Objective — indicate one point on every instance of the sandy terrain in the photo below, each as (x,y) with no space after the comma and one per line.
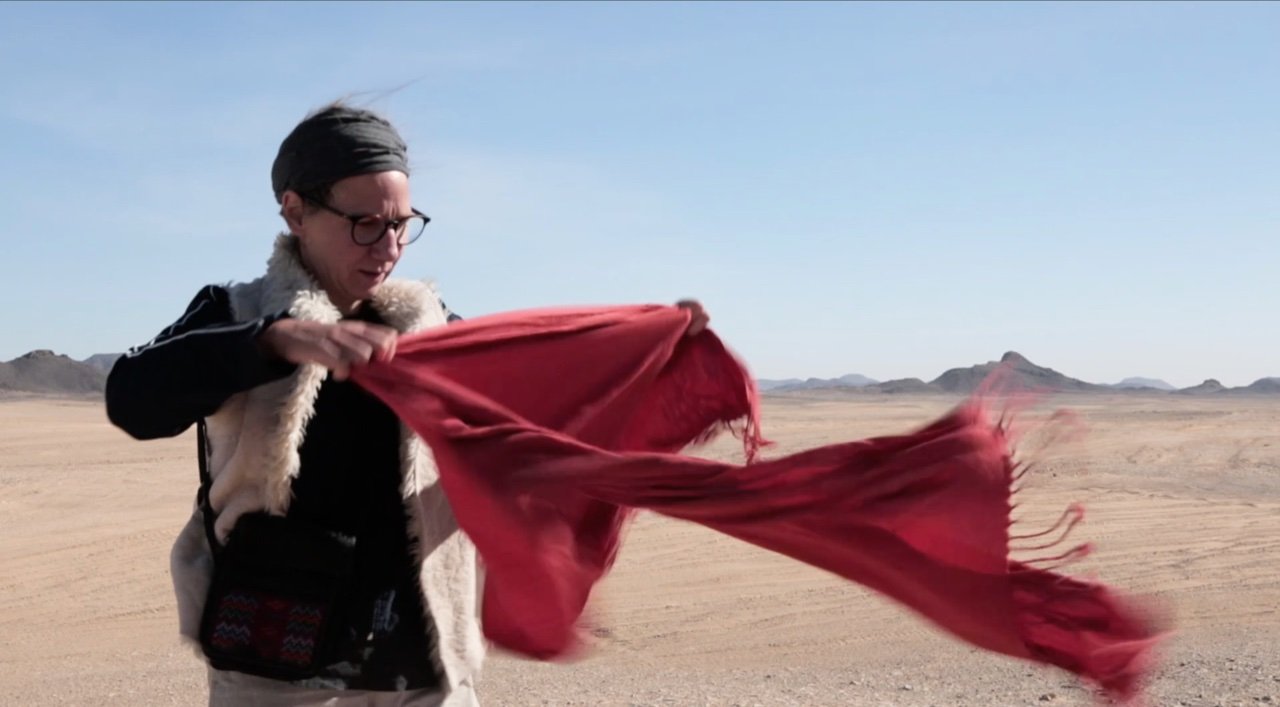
(1184,505)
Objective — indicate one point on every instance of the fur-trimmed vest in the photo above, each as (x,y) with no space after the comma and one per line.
(253,442)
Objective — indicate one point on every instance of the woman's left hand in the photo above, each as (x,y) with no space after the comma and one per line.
(698,316)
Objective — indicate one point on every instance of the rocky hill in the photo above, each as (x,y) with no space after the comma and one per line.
(1264,385)
(1023,375)
(48,373)
(102,362)
(1143,383)
(1209,387)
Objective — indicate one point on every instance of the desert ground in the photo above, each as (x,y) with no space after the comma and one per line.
(1183,500)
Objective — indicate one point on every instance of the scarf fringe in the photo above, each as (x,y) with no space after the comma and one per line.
(1077,625)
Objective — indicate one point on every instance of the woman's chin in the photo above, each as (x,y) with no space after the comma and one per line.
(363,284)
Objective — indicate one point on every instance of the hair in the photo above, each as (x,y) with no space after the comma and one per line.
(321,193)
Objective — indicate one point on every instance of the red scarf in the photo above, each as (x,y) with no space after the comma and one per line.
(550,427)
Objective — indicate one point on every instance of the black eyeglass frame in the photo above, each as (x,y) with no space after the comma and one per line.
(355,220)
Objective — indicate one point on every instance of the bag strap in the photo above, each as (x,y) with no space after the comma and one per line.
(202,496)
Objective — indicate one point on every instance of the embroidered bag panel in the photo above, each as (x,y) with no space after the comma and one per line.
(271,605)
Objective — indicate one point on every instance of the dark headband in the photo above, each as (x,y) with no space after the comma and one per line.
(334,144)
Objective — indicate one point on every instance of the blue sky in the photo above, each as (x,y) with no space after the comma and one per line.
(888,189)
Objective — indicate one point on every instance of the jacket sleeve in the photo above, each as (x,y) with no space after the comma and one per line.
(188,371)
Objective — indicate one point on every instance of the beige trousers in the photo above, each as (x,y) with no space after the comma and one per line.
(232,689)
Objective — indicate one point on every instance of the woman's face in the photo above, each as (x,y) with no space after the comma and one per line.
(349,272)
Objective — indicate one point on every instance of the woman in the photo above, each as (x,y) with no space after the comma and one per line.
(310,572)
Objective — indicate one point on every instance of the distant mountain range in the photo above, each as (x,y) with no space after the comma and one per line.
(1023,375)
(1140,383)
(44,372)
(47,373)
(853,380)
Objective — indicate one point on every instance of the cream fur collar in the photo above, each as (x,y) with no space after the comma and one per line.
(265,459)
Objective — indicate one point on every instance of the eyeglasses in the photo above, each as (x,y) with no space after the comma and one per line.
(367,230)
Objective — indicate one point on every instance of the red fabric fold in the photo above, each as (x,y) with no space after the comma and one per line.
(550,427)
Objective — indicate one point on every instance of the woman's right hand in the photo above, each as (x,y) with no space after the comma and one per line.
(338,347)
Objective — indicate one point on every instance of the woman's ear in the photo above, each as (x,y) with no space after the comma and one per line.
(291,208)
